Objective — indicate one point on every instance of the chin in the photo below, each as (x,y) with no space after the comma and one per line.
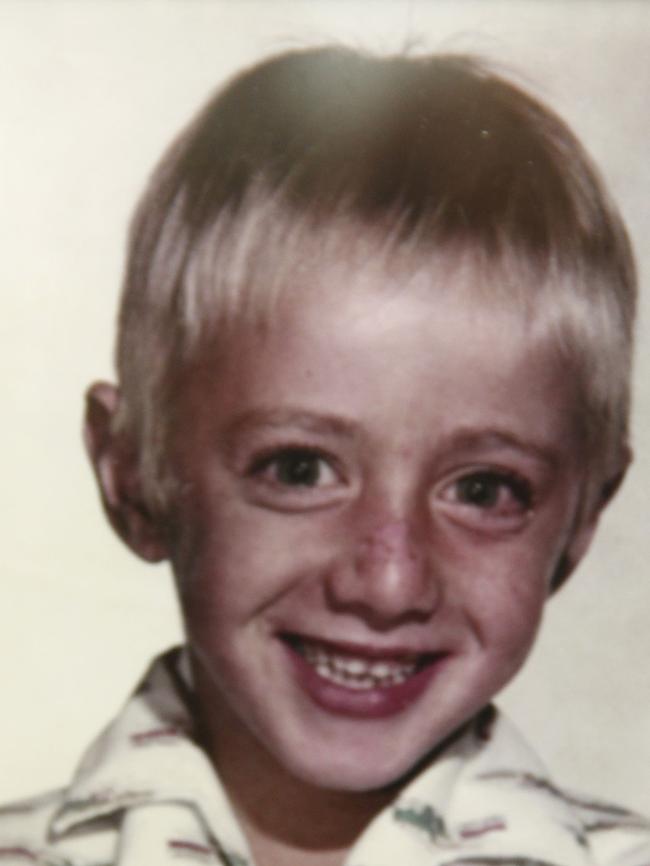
(366,759)
(353,770)
(351,779)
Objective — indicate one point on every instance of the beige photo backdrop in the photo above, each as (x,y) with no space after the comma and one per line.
(91,91)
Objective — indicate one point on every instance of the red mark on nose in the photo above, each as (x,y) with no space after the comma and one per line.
(391,541)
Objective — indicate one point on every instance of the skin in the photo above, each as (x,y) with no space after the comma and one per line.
(396,470)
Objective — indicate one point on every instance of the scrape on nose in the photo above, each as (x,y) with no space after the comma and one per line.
(391,572)
(389,543)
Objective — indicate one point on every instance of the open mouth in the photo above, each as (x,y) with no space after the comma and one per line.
(358,669)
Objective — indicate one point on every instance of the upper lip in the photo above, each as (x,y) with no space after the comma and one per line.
(363,650)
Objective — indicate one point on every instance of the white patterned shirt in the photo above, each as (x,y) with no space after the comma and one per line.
(146,794)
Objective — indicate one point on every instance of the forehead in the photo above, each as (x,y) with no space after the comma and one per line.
(364,286)
(244,268)
(375,343)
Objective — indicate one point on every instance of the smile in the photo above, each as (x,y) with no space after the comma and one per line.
(354,671)
(365,682)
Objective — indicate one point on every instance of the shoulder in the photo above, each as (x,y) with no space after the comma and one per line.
(29,835)
(616,835)
(24,828)
(81,822)
(537,817)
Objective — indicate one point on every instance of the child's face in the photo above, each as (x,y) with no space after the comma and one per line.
(377,493)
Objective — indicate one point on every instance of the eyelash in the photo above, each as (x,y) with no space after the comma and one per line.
(508,499)
(291,457)
(515,484)
(502,499)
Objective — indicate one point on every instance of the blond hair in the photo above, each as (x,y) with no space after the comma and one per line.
(425,154)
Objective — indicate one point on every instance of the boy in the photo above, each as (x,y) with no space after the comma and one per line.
(374,357)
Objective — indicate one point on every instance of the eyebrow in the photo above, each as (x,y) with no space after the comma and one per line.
(312,422)
(463,438)
(493,437)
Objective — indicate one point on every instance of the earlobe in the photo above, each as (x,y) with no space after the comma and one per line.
(115,464)
(583,534)
(611,487)
(573,554)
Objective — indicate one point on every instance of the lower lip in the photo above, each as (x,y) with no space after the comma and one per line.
(372,703)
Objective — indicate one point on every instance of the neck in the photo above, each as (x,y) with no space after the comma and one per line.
(286,821)
(290,823)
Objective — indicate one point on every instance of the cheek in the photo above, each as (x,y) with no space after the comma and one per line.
(501,587)
(507,613)
(231,562)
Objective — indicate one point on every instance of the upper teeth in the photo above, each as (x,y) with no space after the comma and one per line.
(354,671)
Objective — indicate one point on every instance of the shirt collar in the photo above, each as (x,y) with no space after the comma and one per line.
(486,799)
(484,792)
(148,755)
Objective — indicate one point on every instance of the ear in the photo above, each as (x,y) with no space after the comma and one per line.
(587,524)
(115,463)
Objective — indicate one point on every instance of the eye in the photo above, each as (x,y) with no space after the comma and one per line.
(489,498)
(295,479)
(492,490)
(295,467)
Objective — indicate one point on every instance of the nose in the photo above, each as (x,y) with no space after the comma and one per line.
(387,579)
